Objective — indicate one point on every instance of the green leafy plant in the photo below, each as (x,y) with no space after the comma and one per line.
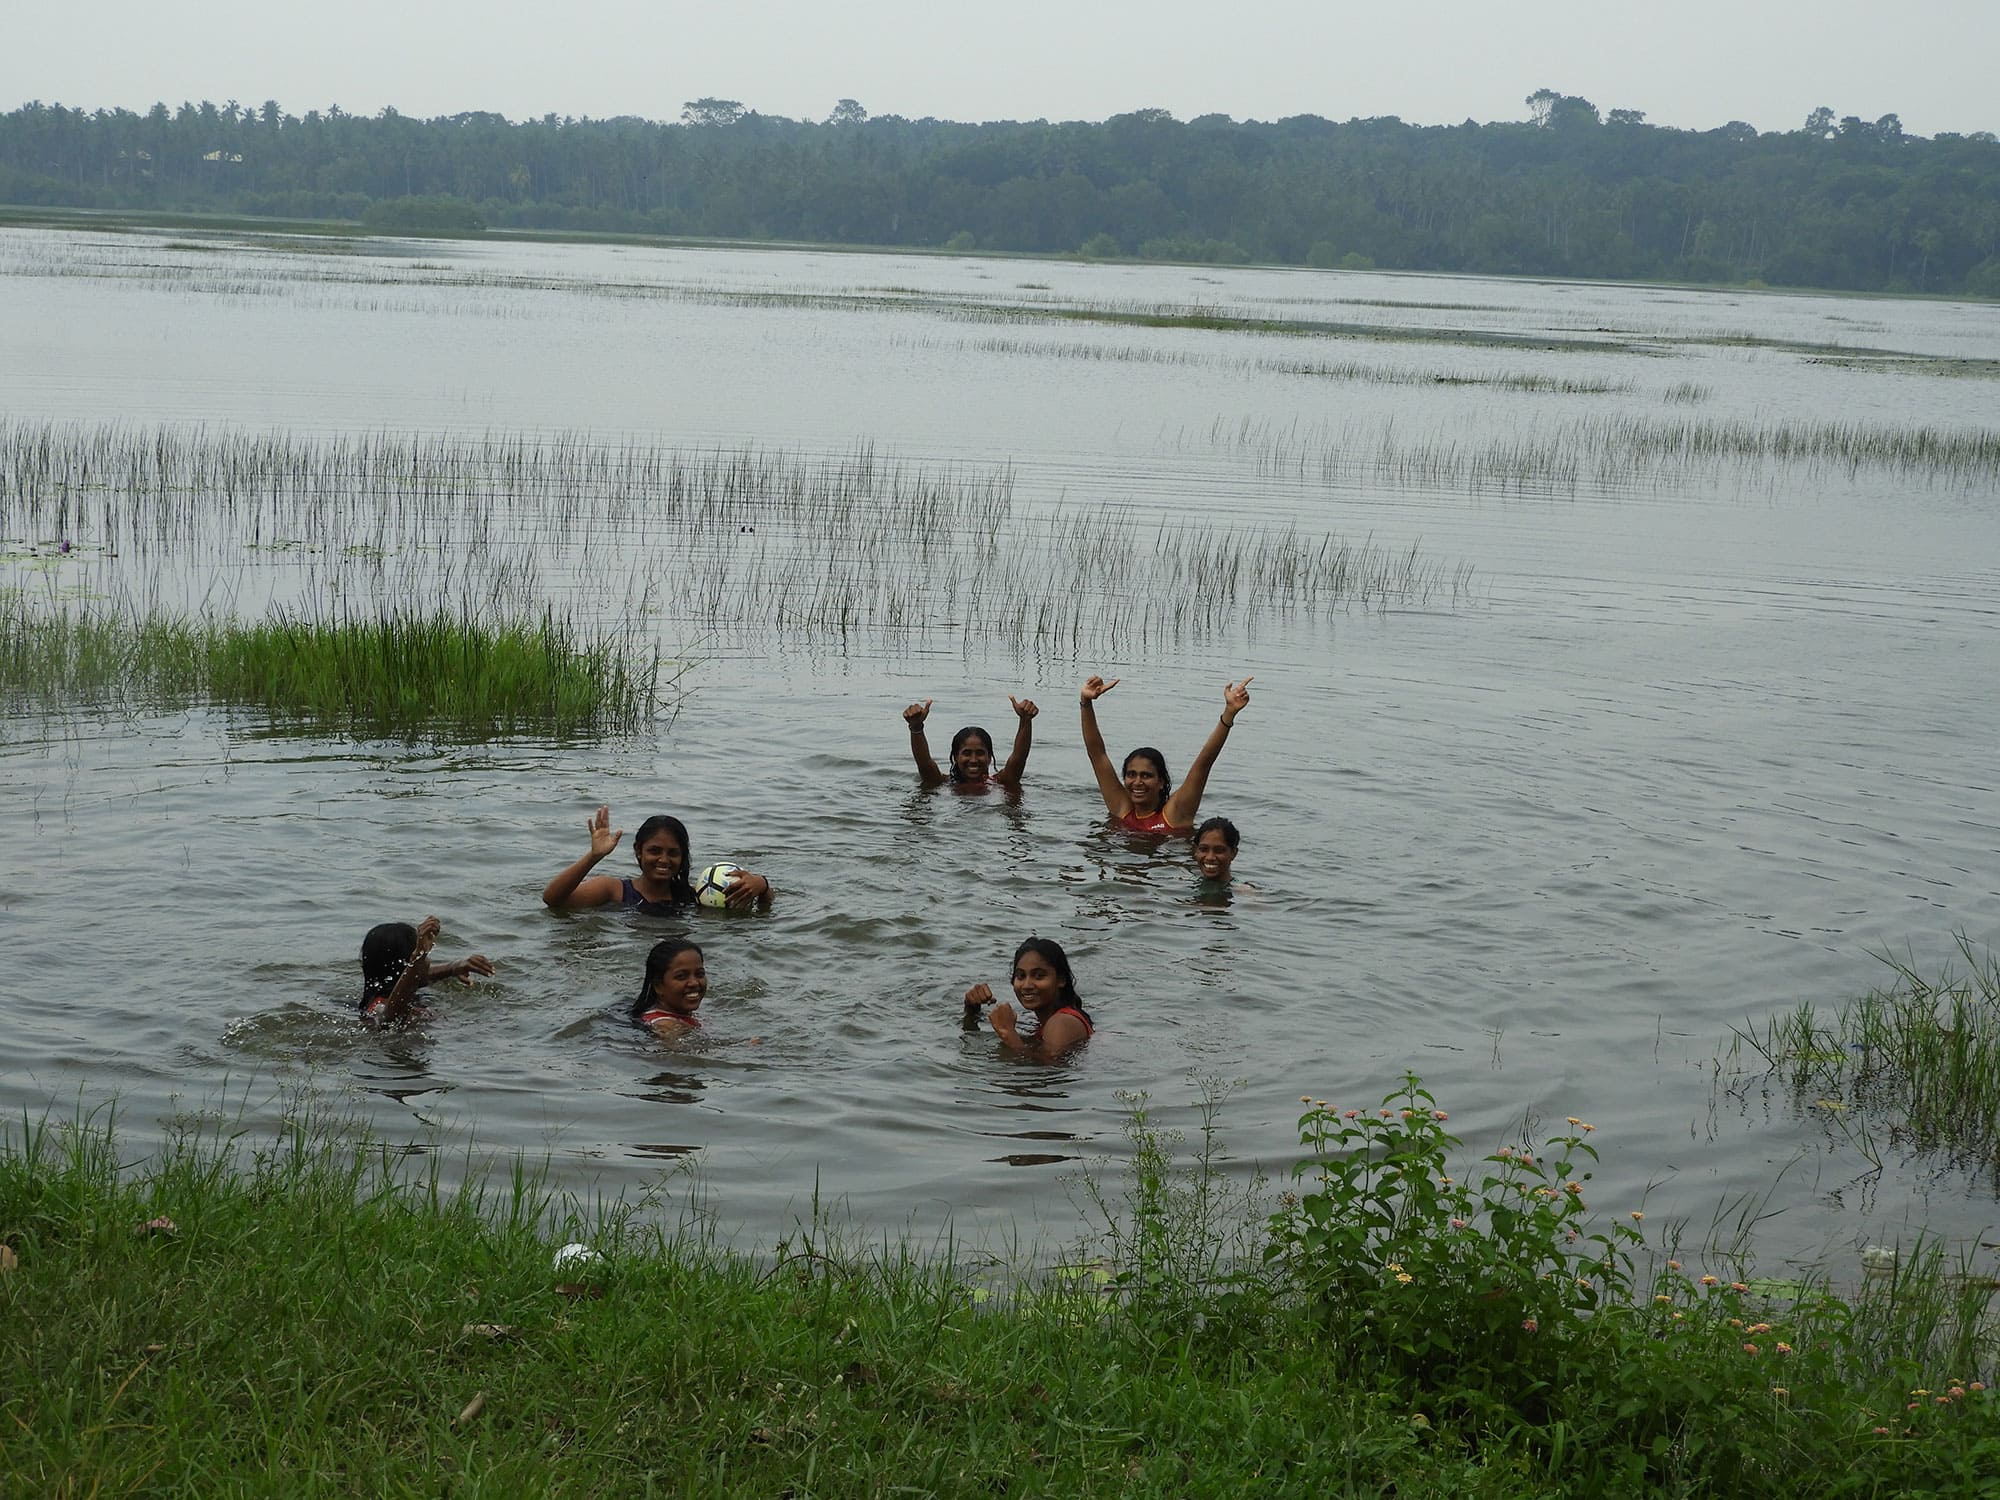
(1411,1265)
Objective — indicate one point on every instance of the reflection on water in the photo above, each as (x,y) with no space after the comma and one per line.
(1702,745)
(670,1088)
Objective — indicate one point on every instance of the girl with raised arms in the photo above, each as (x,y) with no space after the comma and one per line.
(661,849)
(1046,989)
(1142,797)
(972,750)
(396,963)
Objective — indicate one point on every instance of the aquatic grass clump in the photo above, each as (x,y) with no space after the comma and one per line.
(1923,1049)
(1615,452)
(400,673)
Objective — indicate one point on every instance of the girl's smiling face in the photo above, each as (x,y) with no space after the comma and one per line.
(1213,856)
(1142,783)
(661,858)
(1037,983)
(681,988)
(973,760)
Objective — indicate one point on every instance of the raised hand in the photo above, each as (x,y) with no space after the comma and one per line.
(427,934)
(1025,707)
(916,713)
(603,840)
(1097,687)
(978,995)
(1235,698)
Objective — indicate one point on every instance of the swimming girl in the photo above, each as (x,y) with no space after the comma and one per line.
(1215,845)
(972,750)
(675,982)
(395,964)
(1143,799)
(1046,988)
(661,848)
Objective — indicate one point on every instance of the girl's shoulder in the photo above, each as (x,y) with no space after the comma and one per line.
(1089,1026)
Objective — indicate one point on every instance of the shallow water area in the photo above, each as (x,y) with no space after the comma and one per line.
(1698,737)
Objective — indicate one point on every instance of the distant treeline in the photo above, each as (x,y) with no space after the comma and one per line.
(1569,191)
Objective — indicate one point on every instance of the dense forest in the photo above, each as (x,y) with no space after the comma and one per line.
(1569,190)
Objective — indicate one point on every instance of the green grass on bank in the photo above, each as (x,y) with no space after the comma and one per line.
(400,673)
(314,1315)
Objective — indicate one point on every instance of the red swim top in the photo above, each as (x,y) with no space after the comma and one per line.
(661,1013)
(1078,1011)
(1152,822)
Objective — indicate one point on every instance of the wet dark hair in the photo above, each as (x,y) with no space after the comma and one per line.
(1222,826)
(1160,763)
(664,953)
(385,953)
(681,888)
(1049,949)
(960,738)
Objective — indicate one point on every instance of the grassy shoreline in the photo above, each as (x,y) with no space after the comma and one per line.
(314,1313)
(34,216)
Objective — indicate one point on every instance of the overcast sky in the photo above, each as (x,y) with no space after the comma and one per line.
(1697,64)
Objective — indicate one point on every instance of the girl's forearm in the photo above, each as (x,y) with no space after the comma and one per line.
(1093,737)
(559,890)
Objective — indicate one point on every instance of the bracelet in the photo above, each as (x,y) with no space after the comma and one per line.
(1225,721)
(916,729)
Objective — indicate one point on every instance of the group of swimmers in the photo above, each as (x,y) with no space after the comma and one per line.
(1140,796)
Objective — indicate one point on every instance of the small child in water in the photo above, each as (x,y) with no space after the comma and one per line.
(676,980)
(395,964)
(1046,988)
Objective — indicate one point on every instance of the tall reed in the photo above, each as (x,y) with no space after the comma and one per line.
(844,552)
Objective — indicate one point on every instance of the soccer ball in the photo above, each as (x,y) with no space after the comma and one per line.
(711,886)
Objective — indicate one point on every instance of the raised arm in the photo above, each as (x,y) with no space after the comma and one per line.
(1186,800)
(571,888)
(920,749)
(416,974)
(1024,738)
(1108,782)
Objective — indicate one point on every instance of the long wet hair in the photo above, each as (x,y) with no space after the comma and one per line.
(1051,951)
(960,738)
(657,962)
(385,952)
(1160,763)
(680,890)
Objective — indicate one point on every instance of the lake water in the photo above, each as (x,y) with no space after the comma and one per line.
(1688,744)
